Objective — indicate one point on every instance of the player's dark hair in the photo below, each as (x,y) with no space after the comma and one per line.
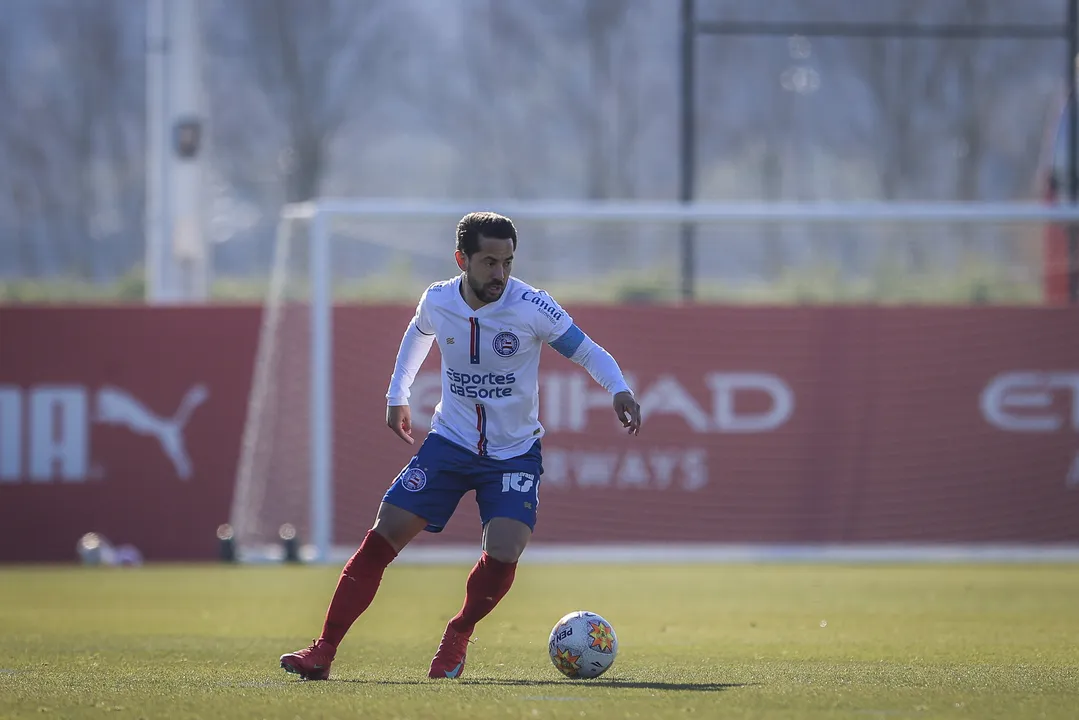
(487,224)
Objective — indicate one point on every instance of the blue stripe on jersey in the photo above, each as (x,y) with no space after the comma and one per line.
(570,341)
(474,342)
(481,427)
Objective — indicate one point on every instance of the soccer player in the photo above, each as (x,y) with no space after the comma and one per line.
(485,435)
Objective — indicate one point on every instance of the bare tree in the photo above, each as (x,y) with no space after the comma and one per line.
(568,84)
(496,107)
(601,104)
(603,115)
(314,62)
(556,88)
(10,205)
(746,120)
(20,193)
(985,104)
(72,139)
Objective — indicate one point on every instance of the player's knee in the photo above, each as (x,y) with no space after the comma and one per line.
(505,540)
(393,536)
(505,552)
(397,525)
(396,535)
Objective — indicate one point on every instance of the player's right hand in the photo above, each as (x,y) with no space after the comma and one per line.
(399,419)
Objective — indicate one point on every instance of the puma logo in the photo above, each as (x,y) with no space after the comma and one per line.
(116,406)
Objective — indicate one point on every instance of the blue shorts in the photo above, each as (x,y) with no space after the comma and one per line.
(441,473)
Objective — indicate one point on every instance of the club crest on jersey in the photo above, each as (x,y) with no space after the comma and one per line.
(506,344)
(413,479)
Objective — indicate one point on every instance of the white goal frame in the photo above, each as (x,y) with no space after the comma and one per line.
(319,213)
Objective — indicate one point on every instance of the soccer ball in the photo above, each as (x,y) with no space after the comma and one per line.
(583,645)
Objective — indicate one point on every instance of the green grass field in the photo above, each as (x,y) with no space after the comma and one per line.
(706,641)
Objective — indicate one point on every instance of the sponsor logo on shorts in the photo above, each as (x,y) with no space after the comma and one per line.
(506,344)
(413,479)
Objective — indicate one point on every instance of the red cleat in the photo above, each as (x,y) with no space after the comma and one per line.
(311,663)
(449,660)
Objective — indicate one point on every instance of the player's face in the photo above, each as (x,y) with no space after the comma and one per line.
(489,268)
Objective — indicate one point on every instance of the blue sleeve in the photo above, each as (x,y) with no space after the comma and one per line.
(570,340)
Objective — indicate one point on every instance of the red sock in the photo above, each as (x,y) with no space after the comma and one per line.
(488,583)
(357,586)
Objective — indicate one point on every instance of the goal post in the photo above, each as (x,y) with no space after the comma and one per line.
(306,236)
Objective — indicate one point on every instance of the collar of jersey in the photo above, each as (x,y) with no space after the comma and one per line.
(489,307)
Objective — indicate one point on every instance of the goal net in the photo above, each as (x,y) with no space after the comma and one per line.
(815,378)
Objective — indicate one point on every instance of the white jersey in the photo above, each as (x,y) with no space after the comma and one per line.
(490,364)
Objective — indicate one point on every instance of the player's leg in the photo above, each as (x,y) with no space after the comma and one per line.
(508,496)
(504,539)
(421,497)
(356,587)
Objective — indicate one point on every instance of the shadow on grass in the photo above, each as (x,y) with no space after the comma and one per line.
(633,684)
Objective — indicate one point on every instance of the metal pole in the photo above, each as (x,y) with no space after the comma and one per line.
(321,421)
(157,220)
(688,143)
(1073,149)
(878,29)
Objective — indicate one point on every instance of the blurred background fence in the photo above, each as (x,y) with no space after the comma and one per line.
(565,99)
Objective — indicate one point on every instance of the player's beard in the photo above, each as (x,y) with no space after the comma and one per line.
(487,293)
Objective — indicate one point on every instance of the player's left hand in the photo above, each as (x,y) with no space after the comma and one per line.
(399,419)
(628,412)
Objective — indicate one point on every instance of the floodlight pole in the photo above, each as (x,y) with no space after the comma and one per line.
(1072,30)
(688,152)
(1069,31)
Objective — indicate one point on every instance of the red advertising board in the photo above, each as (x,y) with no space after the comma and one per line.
(777,425)
(762,425)
(121,421)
